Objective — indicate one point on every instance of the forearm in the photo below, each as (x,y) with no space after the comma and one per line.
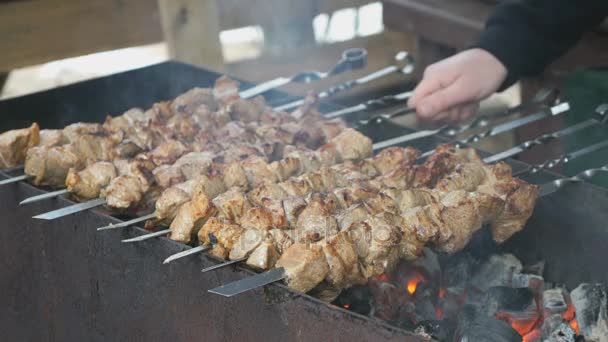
(527,35)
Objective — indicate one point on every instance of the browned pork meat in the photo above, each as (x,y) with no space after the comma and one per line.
(52,137)
(50,165)
(189,101)
(305,266)
(15,144)
(87,184)
(172,198)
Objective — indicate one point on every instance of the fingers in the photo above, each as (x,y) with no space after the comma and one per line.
(455,94)
(458,113)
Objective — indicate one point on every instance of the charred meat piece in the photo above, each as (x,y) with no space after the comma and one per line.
(222,234)
(352,145)
(188,102)
(269,215)
(15,144)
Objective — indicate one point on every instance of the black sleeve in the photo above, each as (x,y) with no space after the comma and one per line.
(527,35)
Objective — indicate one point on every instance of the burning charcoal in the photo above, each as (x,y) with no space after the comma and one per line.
(387,299)
(536,283)
(591,305)
(563,333)
(502,298)
(458,270)
(550,324)
(439,330)
(429,262)
(356,298)
(536,268)
(472,327)
(497,271)
(554,302)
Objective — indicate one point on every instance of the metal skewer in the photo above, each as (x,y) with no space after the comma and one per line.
(224,264)
(128,223)
(148,236)
(370,104)
(352,59)
(563,159)
(601,117)
(42,197)
(14,179)
(401,57)
(250,283)
(450,130)
(72,209)
(191,251)
(553,186)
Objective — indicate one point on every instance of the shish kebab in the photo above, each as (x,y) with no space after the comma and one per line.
(495,130)
(326,240)
(491,132)
(227,91)
(119,193)
(123,136)
(304,275)
(600,117)
(336,172)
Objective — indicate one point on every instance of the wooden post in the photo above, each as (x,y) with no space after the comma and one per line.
(191,29)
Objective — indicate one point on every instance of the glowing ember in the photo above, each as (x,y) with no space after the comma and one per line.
(574,325)
(441,292)
(569,314)
(411,286)
(439,313)
(532,336)
(384,277)
(346,306)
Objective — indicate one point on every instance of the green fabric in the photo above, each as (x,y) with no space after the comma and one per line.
(585,90)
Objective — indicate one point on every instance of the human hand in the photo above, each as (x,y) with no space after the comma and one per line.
(451,89)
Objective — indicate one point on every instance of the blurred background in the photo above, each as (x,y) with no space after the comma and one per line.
(49,43)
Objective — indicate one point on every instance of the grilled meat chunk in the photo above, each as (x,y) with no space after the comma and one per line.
(305,266)
(188,102)
(232,204)
(343,261)
(87,184)
(50,165)
(15,144)
(123,191)
(222,234)
(315,222)
(264,256)
(352,145)
(52,137)
(172,198)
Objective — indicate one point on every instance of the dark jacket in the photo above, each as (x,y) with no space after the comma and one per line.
(527,35)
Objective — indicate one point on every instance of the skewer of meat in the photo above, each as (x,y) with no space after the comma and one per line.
(313,132)
(348,145)
(445,217)
(393,167)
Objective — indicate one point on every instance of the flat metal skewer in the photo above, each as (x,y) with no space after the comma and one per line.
(370,104)
(250,283)
(72,209)
(191,251)
(223,264)
(42,197)
(563,159)
(128,223)
(351,59)
(401,57)
(553,186)
(451,130)
(600,117)
(148,236)
(14,179)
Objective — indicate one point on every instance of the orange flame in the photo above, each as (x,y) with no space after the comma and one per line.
(574,325)
(412,285)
